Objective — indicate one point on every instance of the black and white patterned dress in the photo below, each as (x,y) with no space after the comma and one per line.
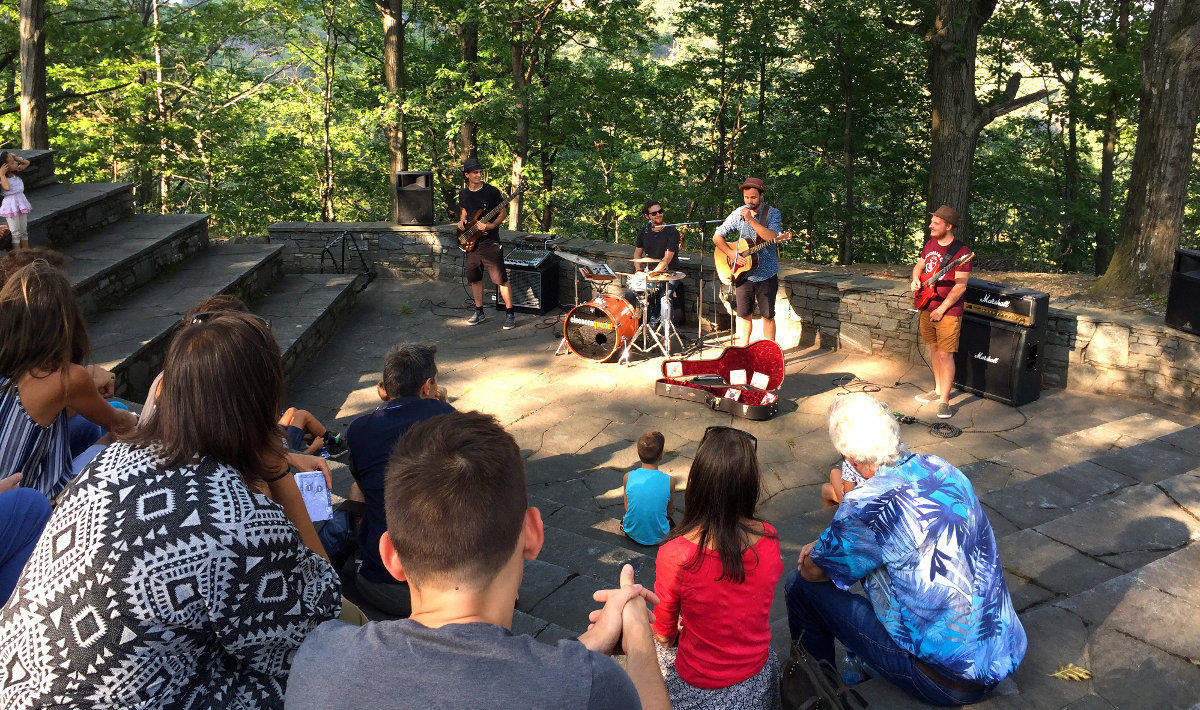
(156,587)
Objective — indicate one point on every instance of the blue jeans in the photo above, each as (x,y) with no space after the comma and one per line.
(82,433)
(23,514)
(819,612)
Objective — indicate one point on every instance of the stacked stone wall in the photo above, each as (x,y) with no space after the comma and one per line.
(1085,349)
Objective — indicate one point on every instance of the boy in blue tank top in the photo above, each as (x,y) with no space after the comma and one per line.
(647,494)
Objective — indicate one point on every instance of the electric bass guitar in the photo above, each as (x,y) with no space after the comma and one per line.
(469,236)
(928,290)
(733,270)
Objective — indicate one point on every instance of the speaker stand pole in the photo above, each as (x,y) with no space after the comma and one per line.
(563,341)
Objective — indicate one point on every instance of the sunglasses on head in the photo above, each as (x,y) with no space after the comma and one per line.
(746,434)
(205,316)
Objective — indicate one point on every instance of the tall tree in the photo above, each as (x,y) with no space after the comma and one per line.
(35,133)
(391,12)
(1108,154)
(468,34)
(1168,102)
(950,30)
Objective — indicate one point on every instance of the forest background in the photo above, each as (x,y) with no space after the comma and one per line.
(258,111)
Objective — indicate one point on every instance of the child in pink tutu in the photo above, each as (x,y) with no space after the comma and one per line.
(15,208)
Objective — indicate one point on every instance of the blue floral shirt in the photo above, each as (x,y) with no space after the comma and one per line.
(915,536)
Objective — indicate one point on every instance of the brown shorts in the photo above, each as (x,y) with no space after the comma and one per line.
(486,255)
(942,334)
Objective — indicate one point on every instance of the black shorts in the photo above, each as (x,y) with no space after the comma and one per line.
(487,255)
(761,292)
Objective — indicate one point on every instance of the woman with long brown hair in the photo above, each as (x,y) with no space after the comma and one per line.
(180,568)
(42,337)
(715,581)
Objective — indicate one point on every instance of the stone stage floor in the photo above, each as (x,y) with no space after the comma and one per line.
(576,421)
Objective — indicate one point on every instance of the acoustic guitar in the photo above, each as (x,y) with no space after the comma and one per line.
(729,270)
(469,236)
(928,290)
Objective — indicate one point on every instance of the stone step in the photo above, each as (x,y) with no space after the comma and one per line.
(588,556)
(66,212)
(304,311)
(1072,448)
(41,168)
(600,526)
(1102,539)
(113,262)
(1032,502)
(132,339)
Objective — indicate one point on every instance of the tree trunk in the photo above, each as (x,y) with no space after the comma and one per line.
(35,133)
(846,245)
(1168,102)
(951,34)
(391,12)
(521,141)
(955,120)
(161,106)
(1069,239)
(469,45)
(329,65)
(1104,237)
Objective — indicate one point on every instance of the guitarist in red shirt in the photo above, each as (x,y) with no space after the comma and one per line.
(941,318)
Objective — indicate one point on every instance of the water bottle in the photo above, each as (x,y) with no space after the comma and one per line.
(854,671)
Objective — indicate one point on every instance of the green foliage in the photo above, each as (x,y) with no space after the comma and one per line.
(624,101)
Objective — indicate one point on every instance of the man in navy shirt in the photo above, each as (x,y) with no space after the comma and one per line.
(410,394)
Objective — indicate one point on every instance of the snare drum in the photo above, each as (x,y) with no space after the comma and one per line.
(637,282)
(599,329)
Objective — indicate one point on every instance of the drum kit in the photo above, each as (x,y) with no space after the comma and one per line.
(609,326)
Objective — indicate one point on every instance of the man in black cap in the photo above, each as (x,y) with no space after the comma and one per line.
(941,319)
(479,198)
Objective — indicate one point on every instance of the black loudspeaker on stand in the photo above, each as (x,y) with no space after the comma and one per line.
(414,197)
(1000,347)
(1183,300)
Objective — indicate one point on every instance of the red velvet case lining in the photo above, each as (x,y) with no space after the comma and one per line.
(763,357)
(751,396)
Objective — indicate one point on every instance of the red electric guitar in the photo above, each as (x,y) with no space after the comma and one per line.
(928,290)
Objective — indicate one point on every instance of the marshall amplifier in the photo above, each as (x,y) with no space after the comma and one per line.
(999,349)
(1011,304)
(1183,300)
(533,278)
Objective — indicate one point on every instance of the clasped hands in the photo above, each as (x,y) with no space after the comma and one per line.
(624,621)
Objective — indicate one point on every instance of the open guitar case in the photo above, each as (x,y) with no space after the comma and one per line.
(740,381)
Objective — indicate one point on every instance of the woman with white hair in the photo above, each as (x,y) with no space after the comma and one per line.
(937,619)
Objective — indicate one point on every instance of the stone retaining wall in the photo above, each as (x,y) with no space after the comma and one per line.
(1088,350)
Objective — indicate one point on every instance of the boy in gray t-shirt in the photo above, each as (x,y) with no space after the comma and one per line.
(459,532)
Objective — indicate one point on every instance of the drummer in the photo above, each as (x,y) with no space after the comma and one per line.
(657,241)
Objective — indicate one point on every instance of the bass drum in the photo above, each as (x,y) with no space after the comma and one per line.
(599,329)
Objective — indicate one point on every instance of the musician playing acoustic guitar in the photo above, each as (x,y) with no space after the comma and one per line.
(941,319)
(754,221)
(478,198)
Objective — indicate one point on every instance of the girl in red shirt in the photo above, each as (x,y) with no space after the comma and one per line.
(715,581)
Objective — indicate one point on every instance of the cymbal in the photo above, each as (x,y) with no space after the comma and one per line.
(643,260)
(667,276)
